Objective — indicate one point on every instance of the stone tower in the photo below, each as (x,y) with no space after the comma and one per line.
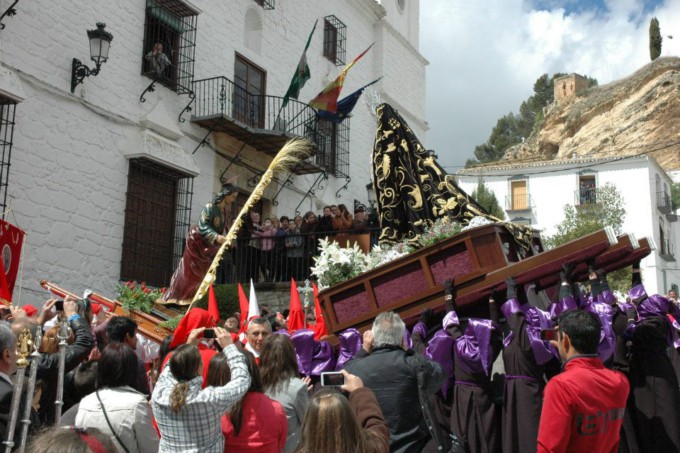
(569,86)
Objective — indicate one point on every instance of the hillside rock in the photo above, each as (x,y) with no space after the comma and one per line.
(635,115)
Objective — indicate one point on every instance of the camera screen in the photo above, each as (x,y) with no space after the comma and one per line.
(549,334)
(332,379)
(209,333)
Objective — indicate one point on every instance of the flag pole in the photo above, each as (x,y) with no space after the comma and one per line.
(298,80)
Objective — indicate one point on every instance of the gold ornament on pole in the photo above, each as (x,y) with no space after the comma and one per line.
(293,153)
(23,349)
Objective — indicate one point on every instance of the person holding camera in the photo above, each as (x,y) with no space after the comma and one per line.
(583,407)
(391,371)
(76,352)
(363,427)
(188,417)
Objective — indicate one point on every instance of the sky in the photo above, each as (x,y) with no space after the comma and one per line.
(485,56)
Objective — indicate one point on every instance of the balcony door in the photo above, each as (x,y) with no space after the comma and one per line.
(249,91)
(519,194)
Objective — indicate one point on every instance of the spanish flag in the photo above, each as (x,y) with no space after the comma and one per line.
(328,98)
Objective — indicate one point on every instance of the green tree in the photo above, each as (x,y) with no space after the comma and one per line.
(675,195)
(487,199)
(514,128)
(589,218)
(655,39)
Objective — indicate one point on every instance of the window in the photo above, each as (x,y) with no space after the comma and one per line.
(334,40)
(249,92)
(587,190)
(157,216)
(7,108)
(266,4)
(518,190)
(169,43)
(332,140)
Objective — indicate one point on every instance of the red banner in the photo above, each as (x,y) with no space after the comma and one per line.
(11,241)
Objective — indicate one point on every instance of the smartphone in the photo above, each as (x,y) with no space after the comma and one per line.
(549,334)
(59,305)
(332,379)
(209,333)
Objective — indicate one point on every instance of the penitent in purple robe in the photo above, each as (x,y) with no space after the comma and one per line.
(655,397)
(525,357)
(475,419)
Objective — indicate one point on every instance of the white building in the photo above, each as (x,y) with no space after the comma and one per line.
(536,193)
(106,185)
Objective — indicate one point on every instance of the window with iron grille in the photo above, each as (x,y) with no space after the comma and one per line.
(7,107)
(157,216)
(169,44)
(332,140)
(266,4)
(334,37)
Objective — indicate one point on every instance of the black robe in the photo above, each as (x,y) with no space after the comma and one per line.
(475,418)
(523,396)
(655,398)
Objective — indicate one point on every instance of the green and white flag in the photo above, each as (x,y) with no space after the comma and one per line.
(301,75)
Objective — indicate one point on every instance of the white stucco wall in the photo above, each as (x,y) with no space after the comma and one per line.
(69,164)
(552,186)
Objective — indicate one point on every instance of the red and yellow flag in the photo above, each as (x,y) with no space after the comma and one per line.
(328,98)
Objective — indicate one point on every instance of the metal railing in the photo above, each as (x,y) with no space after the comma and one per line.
(666,252)
(585,195)
(519,202)
(221,96)
(275,259)
(663,202)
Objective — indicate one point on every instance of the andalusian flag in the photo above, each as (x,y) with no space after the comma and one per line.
(301,75)
(328,99)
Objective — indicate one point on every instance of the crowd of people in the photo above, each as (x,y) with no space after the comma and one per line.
(276,249)
(587,373)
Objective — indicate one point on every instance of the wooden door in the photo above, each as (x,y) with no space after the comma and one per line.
(519,195)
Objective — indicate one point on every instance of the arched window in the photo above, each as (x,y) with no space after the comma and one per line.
(252,30)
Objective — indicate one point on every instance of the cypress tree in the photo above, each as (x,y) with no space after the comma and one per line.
(655,39)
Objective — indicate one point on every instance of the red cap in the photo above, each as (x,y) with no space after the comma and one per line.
(30,310)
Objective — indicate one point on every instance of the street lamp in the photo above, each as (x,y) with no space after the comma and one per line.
(100,41)
(370,192)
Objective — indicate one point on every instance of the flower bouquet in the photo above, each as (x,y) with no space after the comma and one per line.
(133,296)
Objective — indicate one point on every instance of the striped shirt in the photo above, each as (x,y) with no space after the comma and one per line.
(196,427)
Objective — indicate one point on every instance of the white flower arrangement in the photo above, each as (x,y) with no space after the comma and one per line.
(336,264)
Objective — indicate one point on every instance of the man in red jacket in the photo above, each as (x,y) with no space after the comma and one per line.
(583,406)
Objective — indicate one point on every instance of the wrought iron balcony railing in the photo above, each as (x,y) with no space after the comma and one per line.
(519,202)
(219,96)
(585,196)
(663,202)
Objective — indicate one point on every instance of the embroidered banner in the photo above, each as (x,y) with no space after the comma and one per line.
(11,241)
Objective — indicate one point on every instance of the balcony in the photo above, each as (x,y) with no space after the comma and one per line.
(519,203)
(663,203)
(268,260)
(256,120)
(585,196)
(666,252)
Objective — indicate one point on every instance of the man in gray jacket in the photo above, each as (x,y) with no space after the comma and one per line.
(391,371)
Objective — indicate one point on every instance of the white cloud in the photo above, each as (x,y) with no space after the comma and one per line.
(485,56)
